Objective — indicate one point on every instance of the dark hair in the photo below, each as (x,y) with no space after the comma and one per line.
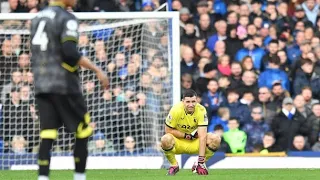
(276,84)
(306,61)
(273,41)
(189,93)
(234,119)
(218,127)
(213,79)
(270,133)
(275,60)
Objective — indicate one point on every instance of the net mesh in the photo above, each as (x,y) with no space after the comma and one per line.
(127,118)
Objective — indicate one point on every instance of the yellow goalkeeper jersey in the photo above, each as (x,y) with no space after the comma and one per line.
(179,119)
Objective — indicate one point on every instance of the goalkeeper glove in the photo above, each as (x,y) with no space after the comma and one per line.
(201,167)
(191,136)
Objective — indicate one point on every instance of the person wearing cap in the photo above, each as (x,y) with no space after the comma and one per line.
(184,18)
(287,124)
(300,15)
(251,50)
(274,74)
(202,8)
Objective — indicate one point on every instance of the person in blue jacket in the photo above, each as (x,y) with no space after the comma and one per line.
(251,50)
(273,74)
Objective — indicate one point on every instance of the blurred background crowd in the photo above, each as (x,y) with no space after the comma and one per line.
(255,65)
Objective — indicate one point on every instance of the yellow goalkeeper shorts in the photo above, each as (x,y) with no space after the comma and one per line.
(184,146)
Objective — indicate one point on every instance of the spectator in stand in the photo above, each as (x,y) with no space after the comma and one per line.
(300,104)
(306,77)
(187,62)
(235,138)
(224,84)
(299,144)
(233,43)
(186,83)
(25,95)
(224,146)
(251,50)
(206,29)
(213,98)
(129,147)
(274,74)
(249,84)
(18,145)
(278,94)
(184,18)
(272,51)
(256,9)
(189,36)
(287,124)
(15,82)
(311,8)
(224,65)
(314,124)
(8,62)
(236,75)
(247,98)
(293,51)
(222,117)
(200,71)
(284,65)
(265,101)
(210,72)
(99,144)
(316,146)
(306,92)
(296,65)
(219,51)
(247,65)
(255,129)
(16,44)
(268,143)
(198,47)
(237,109)
(221,34)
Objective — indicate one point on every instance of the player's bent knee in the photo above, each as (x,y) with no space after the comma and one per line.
(84,131)
(213,141)
(167,142)
(49,134)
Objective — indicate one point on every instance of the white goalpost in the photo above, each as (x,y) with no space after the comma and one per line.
(140,52)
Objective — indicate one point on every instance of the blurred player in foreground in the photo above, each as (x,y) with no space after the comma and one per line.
(186,133)
(55,63)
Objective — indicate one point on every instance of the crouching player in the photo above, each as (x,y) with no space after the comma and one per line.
(186,133)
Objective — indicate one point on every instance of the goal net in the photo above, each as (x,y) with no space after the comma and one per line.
(140,54)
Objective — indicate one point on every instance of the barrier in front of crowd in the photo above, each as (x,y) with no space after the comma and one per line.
(219,161)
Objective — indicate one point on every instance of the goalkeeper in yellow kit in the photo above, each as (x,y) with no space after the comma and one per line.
(186,133)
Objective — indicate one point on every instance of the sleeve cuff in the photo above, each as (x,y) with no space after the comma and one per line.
(168,126)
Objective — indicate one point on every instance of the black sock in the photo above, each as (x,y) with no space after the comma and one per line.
(44,157)
(80,155)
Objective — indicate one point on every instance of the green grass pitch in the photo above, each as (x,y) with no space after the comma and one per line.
(239,174)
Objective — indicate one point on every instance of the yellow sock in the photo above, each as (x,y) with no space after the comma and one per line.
(171,157)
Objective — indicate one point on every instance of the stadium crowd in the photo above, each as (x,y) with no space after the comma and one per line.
(254,64)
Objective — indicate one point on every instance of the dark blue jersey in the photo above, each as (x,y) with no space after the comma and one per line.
(52,73)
